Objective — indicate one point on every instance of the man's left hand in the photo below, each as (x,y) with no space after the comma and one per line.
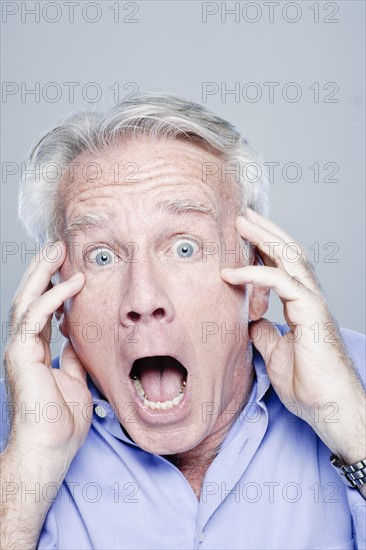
(309,367)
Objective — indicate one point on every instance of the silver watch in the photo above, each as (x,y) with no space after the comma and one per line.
(353,475)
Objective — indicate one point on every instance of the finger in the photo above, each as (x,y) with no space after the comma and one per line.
(287,287)
(276,351)
(265,336)
(70,362)
(275,251)
(36,279)
(39,311)
(269,225)
(267,242)
(50,252)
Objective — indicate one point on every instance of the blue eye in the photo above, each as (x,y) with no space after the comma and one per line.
(185,249)
(102,256)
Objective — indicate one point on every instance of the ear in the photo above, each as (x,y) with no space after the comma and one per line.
(60,313)
(258,296)
(60,318)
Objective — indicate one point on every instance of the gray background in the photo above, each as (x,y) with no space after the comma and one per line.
(170,48)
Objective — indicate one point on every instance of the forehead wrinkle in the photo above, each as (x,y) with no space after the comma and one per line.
(155,168)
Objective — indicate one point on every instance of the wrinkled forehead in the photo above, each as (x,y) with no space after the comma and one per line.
(135,163)
(138,178)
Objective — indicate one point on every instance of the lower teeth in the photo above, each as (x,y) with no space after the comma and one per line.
(157,405)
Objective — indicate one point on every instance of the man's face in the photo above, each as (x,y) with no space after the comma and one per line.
(155,326)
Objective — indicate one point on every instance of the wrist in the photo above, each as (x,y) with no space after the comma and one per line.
(344,431)
(26,461)
(29,483)
(354,475)
(27,492)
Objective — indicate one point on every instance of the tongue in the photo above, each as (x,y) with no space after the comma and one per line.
(160,377)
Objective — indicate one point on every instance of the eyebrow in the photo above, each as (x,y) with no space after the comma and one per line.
(87,221)
(180,207)
(176,207)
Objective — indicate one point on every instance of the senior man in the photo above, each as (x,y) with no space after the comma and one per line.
(176,415)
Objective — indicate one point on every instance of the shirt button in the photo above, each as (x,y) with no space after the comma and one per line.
(100,411)
(201,538)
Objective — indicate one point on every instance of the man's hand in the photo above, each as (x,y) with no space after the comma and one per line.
(50,407)
(311,372)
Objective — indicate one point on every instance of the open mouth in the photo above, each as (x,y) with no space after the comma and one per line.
(159,381)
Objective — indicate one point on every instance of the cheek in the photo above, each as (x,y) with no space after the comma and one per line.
(94,306)
(210,307)
(91,328)
(207,285)
(66,270)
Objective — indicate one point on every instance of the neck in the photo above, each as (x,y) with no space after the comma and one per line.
(194,463)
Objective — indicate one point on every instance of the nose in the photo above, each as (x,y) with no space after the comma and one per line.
(144,297)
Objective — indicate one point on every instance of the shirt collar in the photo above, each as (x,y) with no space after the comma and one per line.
(262,378)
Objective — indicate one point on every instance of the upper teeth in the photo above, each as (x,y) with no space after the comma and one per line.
(157,404)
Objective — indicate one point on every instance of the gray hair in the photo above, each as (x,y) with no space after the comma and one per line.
(151,114)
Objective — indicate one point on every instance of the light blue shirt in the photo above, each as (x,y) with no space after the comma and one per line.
(270,486)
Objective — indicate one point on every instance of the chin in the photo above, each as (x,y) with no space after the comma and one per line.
(168,439)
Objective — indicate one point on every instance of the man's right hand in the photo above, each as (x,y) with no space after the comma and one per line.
(51,408)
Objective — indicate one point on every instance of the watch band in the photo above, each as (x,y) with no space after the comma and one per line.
(353,475)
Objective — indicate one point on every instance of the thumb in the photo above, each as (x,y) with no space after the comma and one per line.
(70,362)
(265,337)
